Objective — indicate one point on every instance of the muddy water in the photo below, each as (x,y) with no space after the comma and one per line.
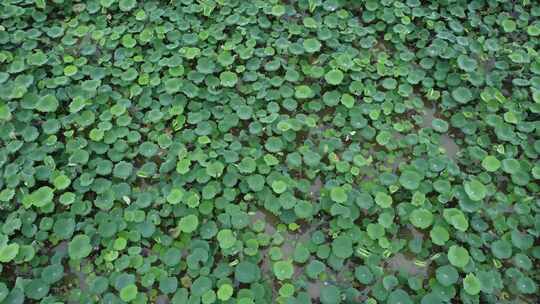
(291,239)
(270,220)
(427,117)
(447,142)
(162,300)
(80,276)
(314,289)
(449,145)
(315,189)
(400,263)
(397,263)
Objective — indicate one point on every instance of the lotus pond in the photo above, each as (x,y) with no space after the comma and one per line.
(269,151)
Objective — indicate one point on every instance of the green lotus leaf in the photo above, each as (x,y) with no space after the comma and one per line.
(342,247)
(509,25)
(383,200)
(421,218)
(129,293)
(447,275)
(501,249)
(410,179)
(47,103)
(256,182)
(246,272)
(8,252)
(283,270)
(458,256)
(475,190)
(439,125)
(467,63)
(38,58)
(61,182)
(311,45)
(399,296)
(314,268)
(279,186)
(303,92)
(215,169)
(334,77)
(375,231)
(338,194)
(491,163)
(228,79)
(188,223)
(175,196)
(226,238)
(36,289)
(171,256)
(363,274)
(471,284)
(127,5)
(225,292)
(52,273)
(330,295)
(526,285)
(462,95)
(79,247)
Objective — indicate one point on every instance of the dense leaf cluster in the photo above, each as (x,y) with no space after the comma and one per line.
(267,151)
